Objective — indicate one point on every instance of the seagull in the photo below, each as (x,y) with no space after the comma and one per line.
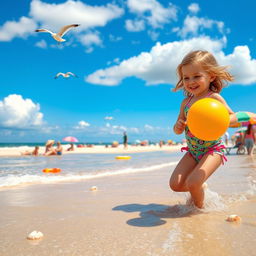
(66,75)
(58,36)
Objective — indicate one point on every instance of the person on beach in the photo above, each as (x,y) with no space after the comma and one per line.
(239,144)
(125,140)
(200,77)
(226,137)
(249,139)
(49,150)
(59,148)
(35,152)
(71,148)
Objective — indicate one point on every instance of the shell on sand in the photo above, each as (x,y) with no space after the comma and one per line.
(35,235)
(93,188)
(233,218)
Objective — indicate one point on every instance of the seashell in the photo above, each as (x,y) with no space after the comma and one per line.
(233,218)
(205,185)
(93,188)
(35,235)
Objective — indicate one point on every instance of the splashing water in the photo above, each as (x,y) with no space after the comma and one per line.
(212,202)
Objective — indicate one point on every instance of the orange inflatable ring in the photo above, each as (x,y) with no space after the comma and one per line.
(52,170)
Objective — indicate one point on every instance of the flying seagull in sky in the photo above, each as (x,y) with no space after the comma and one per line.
(66,75)
(58,36)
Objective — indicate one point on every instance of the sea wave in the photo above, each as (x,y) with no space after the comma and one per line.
(29,179)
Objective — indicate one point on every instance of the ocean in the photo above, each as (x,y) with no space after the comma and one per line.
(40,144)
(28,170)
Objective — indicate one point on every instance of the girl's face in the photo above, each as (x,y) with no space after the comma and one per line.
(195,80)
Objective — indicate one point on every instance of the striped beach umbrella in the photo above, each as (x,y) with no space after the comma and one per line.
(244,119)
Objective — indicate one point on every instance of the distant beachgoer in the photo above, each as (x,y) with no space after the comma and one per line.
(226,137)
(239,144)
(35,152)
(59,148)
(71,148)
(249,139)
(114,144)
(49,150)
(200,77)
(125,140)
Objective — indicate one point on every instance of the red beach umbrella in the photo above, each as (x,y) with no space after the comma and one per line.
(70,139)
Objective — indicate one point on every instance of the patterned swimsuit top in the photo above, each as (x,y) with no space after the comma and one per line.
(196,146)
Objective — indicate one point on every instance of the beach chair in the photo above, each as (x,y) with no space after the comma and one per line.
(240,149)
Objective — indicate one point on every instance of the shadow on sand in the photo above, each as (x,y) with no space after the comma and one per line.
(152,214)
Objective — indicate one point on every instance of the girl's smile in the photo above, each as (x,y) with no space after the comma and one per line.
(195,79)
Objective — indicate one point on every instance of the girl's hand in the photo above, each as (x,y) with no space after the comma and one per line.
(179,126)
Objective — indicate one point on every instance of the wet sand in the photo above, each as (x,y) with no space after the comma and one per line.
(132,214)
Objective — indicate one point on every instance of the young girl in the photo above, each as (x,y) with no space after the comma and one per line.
(200,77)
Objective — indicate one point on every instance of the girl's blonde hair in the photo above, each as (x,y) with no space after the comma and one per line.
(210,65)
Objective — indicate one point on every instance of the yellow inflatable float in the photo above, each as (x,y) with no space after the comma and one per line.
(123,157)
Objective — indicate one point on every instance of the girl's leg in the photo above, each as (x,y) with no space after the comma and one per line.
(204,169)
(181,172)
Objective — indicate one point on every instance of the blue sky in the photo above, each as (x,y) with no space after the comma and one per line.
(125,54)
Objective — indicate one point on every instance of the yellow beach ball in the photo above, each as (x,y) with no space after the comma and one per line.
(208,119)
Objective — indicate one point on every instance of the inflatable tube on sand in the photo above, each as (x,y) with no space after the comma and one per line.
(52,170)
(123,157)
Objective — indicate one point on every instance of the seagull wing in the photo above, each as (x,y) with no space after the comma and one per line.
(65,29)
(72,74)
(59,74)
(44,30)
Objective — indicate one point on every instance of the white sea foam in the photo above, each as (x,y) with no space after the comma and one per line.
(174,236)
(212,202)
(14,180)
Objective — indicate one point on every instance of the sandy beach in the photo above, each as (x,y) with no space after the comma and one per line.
(96,149)
(131,214)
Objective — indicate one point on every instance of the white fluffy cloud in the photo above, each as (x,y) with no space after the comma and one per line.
(134,25)
(82,125)
(159,65)
(193,25)
(91,39)
(148,127)
(69,12)
(21,28)
(194,8)
(112,129)
(54,16)
(152,12)
(109,118)
(16,112)
(41,44)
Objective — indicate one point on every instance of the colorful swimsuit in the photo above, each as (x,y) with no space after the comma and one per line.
(198,148)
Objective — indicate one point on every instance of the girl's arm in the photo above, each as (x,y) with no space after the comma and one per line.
(233,119)
(180,124)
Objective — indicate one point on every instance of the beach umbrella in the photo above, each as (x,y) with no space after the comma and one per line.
(70,139)
(244,119)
